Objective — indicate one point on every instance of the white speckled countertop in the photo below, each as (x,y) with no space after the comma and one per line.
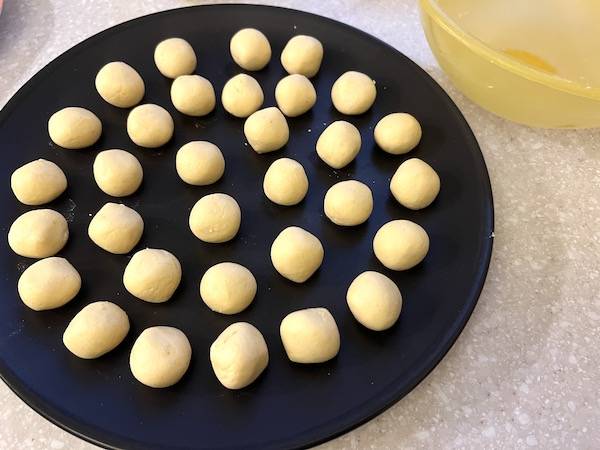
(525,371)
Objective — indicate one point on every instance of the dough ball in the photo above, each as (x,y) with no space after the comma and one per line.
(200,163)
(285,182)
(96,329)
(150,125)
(49,283)
(250,49)
(266,130)
(74,128)
(303,55)
(215,218)
(193,95)
(374,300)
(228,288)
(348,203)
(242,95)
(296,254)
(295,95)
(239,355)
(397,133)
(310,336)
(120,84)
(38,234)
(353,93)
(38,182)
(160,356)
(175,57)
(401,244)
(339,144)
(152,275)
(116,228)
(117,172)
(415,184)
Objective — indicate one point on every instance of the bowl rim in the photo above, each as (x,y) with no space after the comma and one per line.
(444,21)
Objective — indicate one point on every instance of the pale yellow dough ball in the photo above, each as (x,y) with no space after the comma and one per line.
(175,57)
(339,144)
(296,254)
(74,128)
(116,228)
(250,49)
(38,182)
(302,54)
(239,355)
(310,336)
(215,218)
(152,275)
(200,163)
(228,288)
(242,96)
(401,244)
(160,356)
(38,234)
(295,95)
(266,130)
(374,300)
(285,182)
(193,95)
(348,203)
(353,93)
(398,133)
(150,125)
(415,184)
(96,330)
(117,172)
(120,84)
(49,283)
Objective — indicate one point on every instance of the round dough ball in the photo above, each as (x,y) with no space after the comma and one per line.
(215,218)
(117,172)
(295,95)
(242,95)
(150,125)
(239,355)
(285,182)
(38,182)
(415,184)
(250,49)
(175,57)
(49,283)
(353,93)
(116,228)
(160,356)
(74,128)
(401,244)
(193,95)
(152,275)
(296,254)
(374,300)
(339,144)
(302,54)
(228,288)
(200,163)
(120,84)
(266,130)
(398,133)
(310,336)
(96,329)
(38,234)
(348,203)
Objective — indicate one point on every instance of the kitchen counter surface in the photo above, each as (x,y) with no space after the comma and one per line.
(525,371)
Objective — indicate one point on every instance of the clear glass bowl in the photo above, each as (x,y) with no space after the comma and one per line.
(536,63)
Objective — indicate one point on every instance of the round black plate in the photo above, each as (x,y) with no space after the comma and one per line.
(290,405)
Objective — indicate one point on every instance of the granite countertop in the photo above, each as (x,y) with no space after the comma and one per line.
(524,372)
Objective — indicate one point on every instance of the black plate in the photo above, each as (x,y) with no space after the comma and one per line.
(290,405)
